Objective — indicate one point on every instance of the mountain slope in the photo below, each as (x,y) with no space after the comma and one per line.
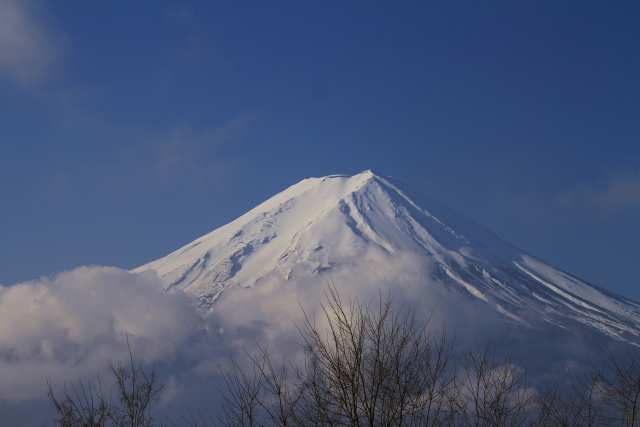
(324,225)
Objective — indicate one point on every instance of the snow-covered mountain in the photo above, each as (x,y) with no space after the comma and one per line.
(322,226)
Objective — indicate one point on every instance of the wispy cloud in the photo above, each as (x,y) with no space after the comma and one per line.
(28,48)
(619,192)
(158,159)
(183,152)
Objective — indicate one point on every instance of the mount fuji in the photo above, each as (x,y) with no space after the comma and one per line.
(321,228)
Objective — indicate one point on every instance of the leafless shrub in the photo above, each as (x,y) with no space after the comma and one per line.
(489,391)
(86,404)
(574,404)
(617,383)
(83,404)
(368,367)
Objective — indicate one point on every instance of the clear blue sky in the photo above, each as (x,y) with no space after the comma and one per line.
(128,129)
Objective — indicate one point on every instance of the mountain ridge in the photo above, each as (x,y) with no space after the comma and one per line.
(320,226)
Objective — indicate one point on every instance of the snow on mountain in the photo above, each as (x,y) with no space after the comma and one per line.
(323,226)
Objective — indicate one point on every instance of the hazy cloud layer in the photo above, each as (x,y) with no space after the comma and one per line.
(28,51)
(70,325)
(620,192)
(270,313)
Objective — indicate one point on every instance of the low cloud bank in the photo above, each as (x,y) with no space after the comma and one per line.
(69,326)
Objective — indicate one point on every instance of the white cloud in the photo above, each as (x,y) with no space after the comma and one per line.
(70,325)
(619,192)
(28,51)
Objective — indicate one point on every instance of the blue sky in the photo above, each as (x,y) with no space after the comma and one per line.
(128,129)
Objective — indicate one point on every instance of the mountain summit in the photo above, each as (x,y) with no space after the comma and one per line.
(321,226)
